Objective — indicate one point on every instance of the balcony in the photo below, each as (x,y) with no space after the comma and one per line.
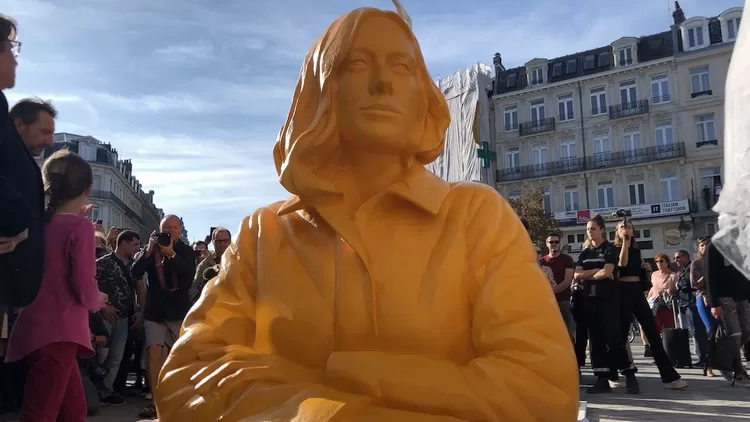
(555,168)
(595,162)
(635,156)
(628,109)
(536,126)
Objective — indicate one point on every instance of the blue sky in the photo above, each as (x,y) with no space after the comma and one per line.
(195,91)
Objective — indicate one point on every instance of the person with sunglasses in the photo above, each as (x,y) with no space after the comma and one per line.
(562,267)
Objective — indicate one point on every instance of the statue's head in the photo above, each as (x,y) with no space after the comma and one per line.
(364,87)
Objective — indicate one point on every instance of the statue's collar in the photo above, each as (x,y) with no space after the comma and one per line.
(421,188)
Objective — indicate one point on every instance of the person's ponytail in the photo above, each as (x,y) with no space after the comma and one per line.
(51,209)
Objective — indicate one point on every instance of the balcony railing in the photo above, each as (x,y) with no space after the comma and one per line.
(635,156)
(597,161)
(109,196)
(536,126)
(564,166)
(633,108)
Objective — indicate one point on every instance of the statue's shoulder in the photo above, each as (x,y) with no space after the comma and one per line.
(474,192)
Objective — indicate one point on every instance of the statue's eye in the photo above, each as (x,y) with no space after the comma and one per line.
(356,64)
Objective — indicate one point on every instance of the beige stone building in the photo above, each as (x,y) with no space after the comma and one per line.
(636,124)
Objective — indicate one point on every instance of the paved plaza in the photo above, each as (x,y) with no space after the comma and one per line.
(705,400)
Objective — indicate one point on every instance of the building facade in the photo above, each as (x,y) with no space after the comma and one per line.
(634,125)
(117,196)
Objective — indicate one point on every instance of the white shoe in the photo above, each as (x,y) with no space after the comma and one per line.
(616,384)
(679,384)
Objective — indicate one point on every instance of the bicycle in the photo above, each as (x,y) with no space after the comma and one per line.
(633,332)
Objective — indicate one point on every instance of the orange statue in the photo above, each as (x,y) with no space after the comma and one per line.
(378,292)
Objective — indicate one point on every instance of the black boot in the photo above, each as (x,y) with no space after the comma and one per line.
(631,384)
(601,386)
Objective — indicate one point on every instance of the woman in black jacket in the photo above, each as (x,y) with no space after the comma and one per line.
(727,294)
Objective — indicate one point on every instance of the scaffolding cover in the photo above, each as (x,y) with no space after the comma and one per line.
(733,237)
(466,93)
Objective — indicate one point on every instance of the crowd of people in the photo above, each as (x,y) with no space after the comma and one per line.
(611,287)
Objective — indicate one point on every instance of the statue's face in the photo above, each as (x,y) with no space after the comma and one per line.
(377,88)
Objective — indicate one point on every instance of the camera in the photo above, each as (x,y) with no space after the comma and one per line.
(164,239)
(622,213)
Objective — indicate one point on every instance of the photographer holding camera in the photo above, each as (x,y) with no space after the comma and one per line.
(170,266)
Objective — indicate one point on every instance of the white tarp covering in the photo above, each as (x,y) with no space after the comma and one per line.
(463,90)
(733,237)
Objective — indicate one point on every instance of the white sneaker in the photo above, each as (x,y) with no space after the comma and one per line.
(616,384)
(679,384)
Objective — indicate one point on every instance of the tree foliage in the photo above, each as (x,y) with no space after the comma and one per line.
(530,205)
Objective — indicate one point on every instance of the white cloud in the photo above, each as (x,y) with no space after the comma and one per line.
(186,53)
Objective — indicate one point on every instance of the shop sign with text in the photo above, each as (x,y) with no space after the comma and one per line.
(662,209)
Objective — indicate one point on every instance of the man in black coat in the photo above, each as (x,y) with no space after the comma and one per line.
(21,193)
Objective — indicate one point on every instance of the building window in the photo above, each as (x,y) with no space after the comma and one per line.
(699,81)
(732,28)
(589,62)
(709,183)
(557,70)
(605,194)
(660,89)
(565,107)
(537,110)
(87,152)
(510,115)
(539,154)
(568,149)
(97,182)
(706,127)
(670,189)
(537,77)
(95,214)
(602,146)
(547,201)
(631,141)
(710,229)
(512,80)
(571,198)
(625,55)
(663,133)
(637,192)
(512,158)
(514,194)
(643,239)
(628,96)
(571,66)
(598,101)
(571,239)
(695,38)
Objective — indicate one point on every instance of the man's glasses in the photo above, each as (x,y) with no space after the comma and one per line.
(15,48)
(553,242)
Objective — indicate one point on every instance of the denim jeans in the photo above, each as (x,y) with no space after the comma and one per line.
(111,357)
(691,320)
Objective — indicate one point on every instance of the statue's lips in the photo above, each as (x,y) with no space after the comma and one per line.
(381,110)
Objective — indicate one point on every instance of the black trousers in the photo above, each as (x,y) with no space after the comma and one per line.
(608,346)
(633,304)
(580,315)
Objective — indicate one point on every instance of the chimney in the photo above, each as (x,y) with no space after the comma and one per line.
(497,60)
(678,15)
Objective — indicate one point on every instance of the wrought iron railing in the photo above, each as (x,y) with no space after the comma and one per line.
(596,161)
(632,108)
(536,126)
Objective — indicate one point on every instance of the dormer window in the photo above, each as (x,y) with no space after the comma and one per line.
(730,23)
(537,76)
(694,32)
(625,56)
(695,37)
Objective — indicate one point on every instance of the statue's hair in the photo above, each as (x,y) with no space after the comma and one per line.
(309,137)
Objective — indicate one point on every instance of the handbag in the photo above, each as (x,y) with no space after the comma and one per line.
(720,348)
